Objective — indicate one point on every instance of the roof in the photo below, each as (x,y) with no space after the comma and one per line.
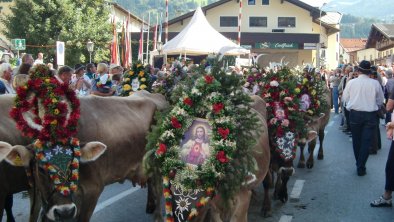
(351,45)
(314,11)
(116,5)
(378,31)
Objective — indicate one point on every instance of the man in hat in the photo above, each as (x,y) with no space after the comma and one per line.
(363,96)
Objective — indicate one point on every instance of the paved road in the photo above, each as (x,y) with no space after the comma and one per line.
(331,191)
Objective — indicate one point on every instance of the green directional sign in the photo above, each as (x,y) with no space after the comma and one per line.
(18,44)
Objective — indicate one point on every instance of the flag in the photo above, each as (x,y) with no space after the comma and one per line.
(141,47)
(114,46)
(155,33)
(128,56)
(122,47)
(160,28)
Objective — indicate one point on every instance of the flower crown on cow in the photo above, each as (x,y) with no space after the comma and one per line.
(47,111)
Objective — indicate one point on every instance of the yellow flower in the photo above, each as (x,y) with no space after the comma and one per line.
(126,87)
(131,93)
(56,111)
(127,80)
(131,73)
(143,80)
(310,112)
(38,144)
(143,86)
(139,65)
(141,73)
(313,92)
(54,122)
(297,90)
(54,100)
(193,212)
(47,80)
(304,81)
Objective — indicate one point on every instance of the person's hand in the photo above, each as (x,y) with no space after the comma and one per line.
(389,130)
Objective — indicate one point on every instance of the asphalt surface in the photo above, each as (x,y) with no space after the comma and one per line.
(330,191)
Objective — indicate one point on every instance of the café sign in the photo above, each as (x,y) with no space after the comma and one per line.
(276,45)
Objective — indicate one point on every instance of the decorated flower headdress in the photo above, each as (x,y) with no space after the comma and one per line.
(48,112)
(218,98)
(284,119)
(137,72)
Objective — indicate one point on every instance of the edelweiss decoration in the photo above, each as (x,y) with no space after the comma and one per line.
(135,79)
(196,146)
(284,119)
(48,112)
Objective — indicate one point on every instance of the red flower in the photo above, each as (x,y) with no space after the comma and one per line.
(175,123)
(221,156)
(217,107)
(208,79)
(279,131)
(223,132)
(162,149)
(188,101)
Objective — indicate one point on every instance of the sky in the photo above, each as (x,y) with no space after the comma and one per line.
(316,3)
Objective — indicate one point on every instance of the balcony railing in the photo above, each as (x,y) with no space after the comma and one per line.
(384,45)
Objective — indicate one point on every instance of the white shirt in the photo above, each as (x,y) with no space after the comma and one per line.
(363,94)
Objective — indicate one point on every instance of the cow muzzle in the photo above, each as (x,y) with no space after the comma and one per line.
(62,212)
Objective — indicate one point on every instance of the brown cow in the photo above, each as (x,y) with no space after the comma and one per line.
(13,179)
(237,211)
(317,124)
(122,125)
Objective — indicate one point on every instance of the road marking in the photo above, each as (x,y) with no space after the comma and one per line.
(113,199)
(330,123)
(296,192)
(285,218)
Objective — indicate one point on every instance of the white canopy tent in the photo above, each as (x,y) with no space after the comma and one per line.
(199,38)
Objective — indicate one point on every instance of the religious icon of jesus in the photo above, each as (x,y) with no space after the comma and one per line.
(196,149)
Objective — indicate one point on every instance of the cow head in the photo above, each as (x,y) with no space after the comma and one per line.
(56,206)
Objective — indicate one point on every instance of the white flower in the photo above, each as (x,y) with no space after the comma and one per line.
(182,205)
(289,135)
(274,83)
(230,143)
(167,134)
(280,141)
(58,149)
(196,91)
(267,95)
(48,155)
(69,152)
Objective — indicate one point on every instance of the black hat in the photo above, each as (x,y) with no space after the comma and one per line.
(364,67)
(78,67)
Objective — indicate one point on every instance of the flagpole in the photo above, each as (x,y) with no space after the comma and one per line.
(147,40)
(155,33)
(166,21)
(239,22)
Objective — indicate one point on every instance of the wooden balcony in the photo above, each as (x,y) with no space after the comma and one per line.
(383,45)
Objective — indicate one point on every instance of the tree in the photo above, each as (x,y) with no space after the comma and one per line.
(43,22)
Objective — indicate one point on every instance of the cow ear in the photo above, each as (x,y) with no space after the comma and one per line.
(19,156)
(91,151)
(5,148)
(311,136)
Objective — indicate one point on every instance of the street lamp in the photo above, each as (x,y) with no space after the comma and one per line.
(319,44)
(90,46)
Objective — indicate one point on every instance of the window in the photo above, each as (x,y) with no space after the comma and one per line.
(228,21)
(251,2)
(265,2)
(257,21)
(286,22)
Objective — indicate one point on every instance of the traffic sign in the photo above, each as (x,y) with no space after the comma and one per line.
(18,44)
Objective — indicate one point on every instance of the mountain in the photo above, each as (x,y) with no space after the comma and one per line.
(379,9)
